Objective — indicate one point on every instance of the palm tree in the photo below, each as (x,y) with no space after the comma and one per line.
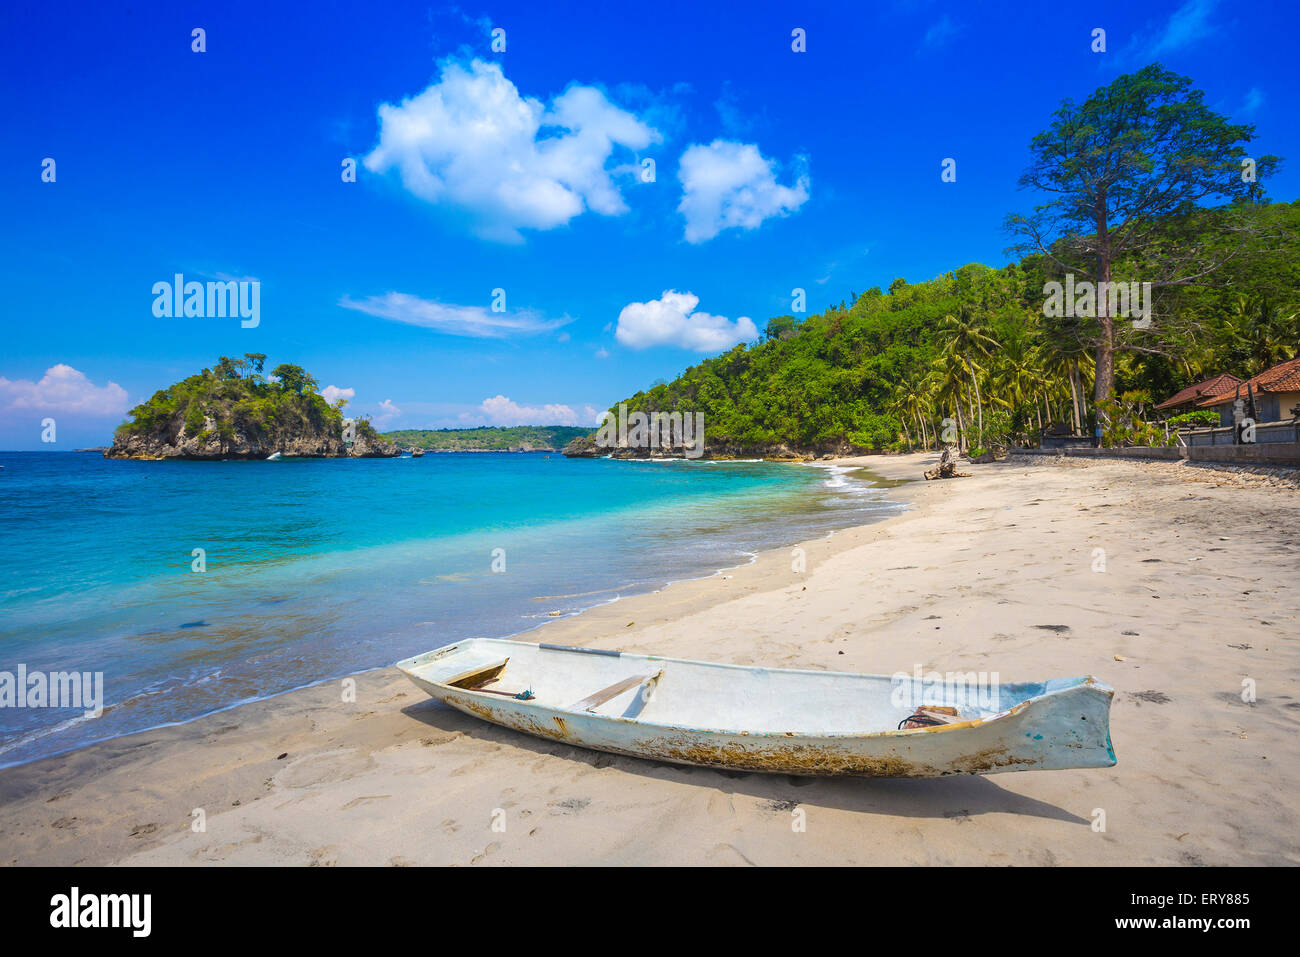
(950,388)
(1259,331)
(1018,376)
(1064,358)
(967,342)
(910,400)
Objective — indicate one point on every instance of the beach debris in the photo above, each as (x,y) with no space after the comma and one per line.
(555,614)
(1154,697)
(281,757)
(928,717)
(1120,658)
(947,467)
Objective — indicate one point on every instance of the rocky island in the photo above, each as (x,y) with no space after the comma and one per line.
(233,411)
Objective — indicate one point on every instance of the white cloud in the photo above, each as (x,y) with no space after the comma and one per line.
(387,412)
(500,410)
(729,185)
(63,389)
(333,393)
(672,320)
(1188,24)
(477,322)
(510,162)
(940,33)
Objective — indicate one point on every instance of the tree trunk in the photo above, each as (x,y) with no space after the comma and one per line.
(1105,383)
(1075,388)
(1105,361)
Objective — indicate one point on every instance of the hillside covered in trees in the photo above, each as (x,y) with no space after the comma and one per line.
(486,438)
(1132,175)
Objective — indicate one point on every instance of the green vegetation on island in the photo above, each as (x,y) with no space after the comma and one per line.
(233,410)
(1126,175)
(515,438)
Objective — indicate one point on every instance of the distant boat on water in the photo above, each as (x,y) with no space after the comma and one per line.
(768,719)
(274,457)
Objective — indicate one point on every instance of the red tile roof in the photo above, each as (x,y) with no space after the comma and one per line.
(1225,382)
(1284,377)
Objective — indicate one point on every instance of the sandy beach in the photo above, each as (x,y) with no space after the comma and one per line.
(994,572)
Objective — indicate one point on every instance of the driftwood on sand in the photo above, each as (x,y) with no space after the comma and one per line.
(947,467)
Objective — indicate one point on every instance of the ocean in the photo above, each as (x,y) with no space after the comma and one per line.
(194,586)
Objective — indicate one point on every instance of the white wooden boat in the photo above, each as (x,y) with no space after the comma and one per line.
(274,457)
(767,719)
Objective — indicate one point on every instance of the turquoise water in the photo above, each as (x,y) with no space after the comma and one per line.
(316,569)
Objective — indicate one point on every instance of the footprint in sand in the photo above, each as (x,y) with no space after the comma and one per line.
(1153,697)
(323,768)
(364,799)
(570,805)
(327,856)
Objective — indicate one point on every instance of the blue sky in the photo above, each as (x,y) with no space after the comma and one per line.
(522,170)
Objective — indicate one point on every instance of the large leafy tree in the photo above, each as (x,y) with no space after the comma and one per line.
(294,378)
(1120,169)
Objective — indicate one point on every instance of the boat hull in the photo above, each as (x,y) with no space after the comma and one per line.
(1064,726)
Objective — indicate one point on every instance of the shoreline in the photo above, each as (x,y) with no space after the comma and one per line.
(622,592)
(356,777)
